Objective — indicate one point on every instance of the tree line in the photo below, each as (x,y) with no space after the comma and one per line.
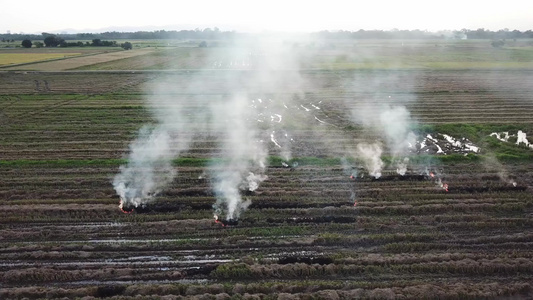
(207,33)
(52,40)
(480,33)
(216,34)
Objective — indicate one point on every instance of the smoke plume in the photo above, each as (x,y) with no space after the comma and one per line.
(246,124)
(371,156)
(244,155)
(395,123)
(149,168)
(392,123)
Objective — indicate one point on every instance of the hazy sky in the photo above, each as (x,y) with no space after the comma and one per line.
(36,16)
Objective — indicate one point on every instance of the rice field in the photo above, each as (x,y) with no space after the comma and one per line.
(20,58)
(311,231)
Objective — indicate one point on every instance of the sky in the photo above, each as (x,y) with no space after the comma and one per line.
(36,16)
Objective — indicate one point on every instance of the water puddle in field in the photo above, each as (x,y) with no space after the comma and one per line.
(443,144)
(130,282)
(502,136)
(89,225)
(521,137)
(273,139)
(270,237)
(117,241)
(145,258)
(134,261)
(70,226)
(294,253)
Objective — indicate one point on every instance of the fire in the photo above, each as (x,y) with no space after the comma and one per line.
(121,206)
(218,221)
(438,181)
(355,203)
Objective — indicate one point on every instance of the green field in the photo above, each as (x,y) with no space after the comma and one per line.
(19,58)
(311,231)
(316,55)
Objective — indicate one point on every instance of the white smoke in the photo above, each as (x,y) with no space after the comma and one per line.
(243,152)
(393,123)
(253,181)
(149,167)
(401,166)
(371,156)
(240,124)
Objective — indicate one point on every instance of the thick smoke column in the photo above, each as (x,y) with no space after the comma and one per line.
(393,123)
(248,125)
(244,154)
(371,156)
(244,125)
(149,169)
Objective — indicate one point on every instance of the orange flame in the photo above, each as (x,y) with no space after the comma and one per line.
(439,182)
(121,206)
(218,221)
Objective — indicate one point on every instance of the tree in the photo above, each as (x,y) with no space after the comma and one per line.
(497,44)
(203,44)
(127,46)
(97,42)
(26,43)
(52,41)
(38,45)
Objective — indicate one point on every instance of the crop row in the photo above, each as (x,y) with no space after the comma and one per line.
(280,290)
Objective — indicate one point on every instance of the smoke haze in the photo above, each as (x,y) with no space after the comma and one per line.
(387,117)
(232,110)
(371,156)
(243,151)
(149,169)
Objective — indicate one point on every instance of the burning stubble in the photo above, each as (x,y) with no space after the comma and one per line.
(371,156)
(388,117)
(236,122)
(392,123)
(395,123)
(244,155)
(149,169)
